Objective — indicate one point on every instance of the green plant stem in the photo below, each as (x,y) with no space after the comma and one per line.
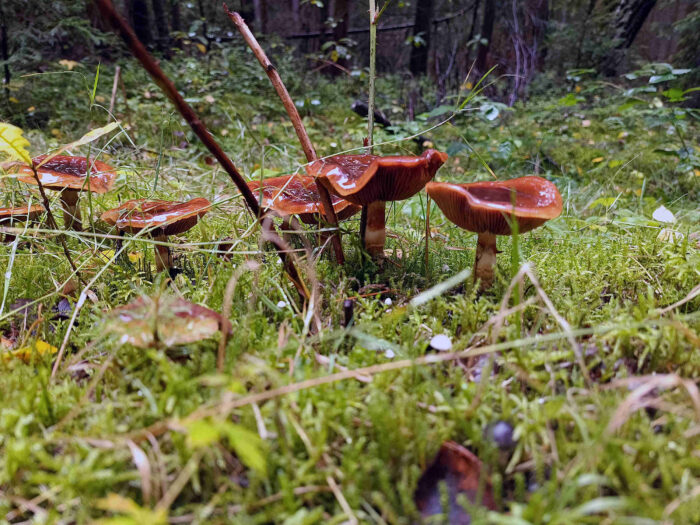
(372,72)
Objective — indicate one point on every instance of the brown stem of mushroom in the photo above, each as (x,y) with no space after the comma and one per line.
(164,258)
(71,210)
(294,116)
(485,260)
(374,236)
(166,85)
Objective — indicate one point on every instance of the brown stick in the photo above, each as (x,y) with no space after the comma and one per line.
(115,86)
(303,136)
(167,86)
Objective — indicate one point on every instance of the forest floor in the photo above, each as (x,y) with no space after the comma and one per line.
(590,373)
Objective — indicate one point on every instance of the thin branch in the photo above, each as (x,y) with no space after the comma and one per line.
(372,72)
(167,86)
(303,136)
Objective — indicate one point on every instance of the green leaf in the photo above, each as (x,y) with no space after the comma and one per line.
(246,444)
(202,433)
(13,144)
(656,79)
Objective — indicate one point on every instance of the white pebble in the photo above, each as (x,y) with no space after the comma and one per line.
(441,343)
(388,301)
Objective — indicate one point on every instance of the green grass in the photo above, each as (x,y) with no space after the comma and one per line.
(581,455)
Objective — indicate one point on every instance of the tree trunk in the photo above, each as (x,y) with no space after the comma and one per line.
(486,34)
(161,21)
(629,18)
(4,52)
(175,19)
(260,7)
(421,27)
(140,22)
(341,15)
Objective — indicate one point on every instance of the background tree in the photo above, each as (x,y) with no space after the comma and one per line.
(421,36)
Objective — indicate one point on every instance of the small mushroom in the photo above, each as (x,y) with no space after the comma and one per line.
(166,320)
(70,175)
(297,195)
(489,208)
(10,216)
(370,181)
(161,218)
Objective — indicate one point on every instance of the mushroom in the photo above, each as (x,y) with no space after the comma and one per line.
(297,195)
(370,180)
(489,208)
(165,320)
(9,216)
(161,218)
(69,175)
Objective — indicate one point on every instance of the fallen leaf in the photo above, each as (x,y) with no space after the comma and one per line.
(68,64)
(460,471)
(29,353)
(202,48)
(597,160)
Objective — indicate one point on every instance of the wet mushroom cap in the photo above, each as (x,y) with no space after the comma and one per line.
(297,195)
(68,172)
(20,213)
(363,179)
(166,217)
(486,207)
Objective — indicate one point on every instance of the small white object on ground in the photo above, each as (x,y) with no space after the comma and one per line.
(388,301)
(441,343)
(281,304)
(663,214)
(670,235)
(389,354)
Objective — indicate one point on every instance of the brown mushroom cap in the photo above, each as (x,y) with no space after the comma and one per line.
(68,172)
(363,179)
(297,195)
(21,213)
(486,207)
(166,217)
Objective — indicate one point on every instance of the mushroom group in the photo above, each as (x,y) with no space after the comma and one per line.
(491,208)
(70,175)
(160,218)
(370,181)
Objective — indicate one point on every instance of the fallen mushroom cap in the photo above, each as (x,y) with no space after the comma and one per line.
(363,179)
(20,213)
(297,195)
(168,217)
(68,172)
(176,320)
(486,207)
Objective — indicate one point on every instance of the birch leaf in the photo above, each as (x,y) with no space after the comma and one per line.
(13,144)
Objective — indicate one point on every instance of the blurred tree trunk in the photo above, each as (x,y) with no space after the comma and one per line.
(629,16)
(161,21)
(260,7)
(341,15)
(175,20)
(5,54)
(421,27)
(486,34)
(140,22)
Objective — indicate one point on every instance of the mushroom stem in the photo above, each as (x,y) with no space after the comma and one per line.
(374,235)
(164,259)
(71,210)
(485,260)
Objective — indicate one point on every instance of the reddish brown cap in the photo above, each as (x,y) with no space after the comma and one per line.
(165,217)
(297,195)
(67,172)
(21,213)
(363,179)
(486,207)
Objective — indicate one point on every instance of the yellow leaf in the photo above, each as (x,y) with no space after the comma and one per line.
(30,109)
(202,48)
(69,64)
(14,100)
(577,89)
(13,144)
(56,132)
(697,172)
(91,135)
(467,85)
(26,353)
(597,160)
